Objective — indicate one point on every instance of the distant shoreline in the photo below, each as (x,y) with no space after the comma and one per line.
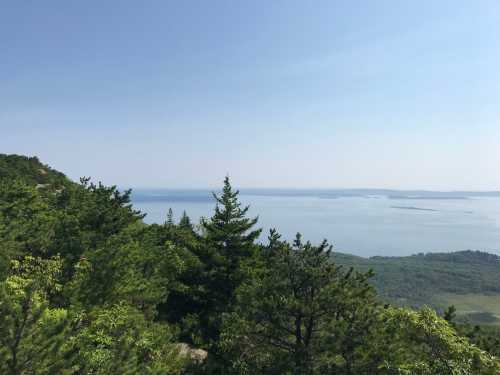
(205,195)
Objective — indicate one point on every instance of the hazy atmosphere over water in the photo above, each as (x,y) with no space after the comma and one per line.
(275,93)
(365,223)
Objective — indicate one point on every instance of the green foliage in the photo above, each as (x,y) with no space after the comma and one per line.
(486,337)
(30,171)
(32,334)
(86,287)
(126,269)
(109,271)
(421,342)
(185,222)
(421,279)
(229,229)
(99,211)
(118,339)
(300,314)
(26,221)
(228,241)
(187,292)
(69,222)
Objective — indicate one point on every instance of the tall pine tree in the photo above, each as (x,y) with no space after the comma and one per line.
(185,222)
(230,240)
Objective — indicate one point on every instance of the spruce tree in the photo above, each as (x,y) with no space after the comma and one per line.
(229,230)
(185,221)
(230,240)
(170,217)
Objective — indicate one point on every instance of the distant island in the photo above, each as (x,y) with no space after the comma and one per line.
(414,208)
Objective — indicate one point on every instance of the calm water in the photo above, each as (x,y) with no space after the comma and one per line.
(366,223)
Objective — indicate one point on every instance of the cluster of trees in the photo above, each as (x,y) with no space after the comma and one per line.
(86,287)
(424,278)
(31,170)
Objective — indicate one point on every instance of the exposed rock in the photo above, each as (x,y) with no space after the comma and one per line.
(196,355)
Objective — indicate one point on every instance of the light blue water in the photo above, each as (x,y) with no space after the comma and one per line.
(356,223)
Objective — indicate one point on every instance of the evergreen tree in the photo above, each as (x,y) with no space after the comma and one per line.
(126,269)
(229,240)
(187,294)
(170,217)
(300,314)
(185,222)
(229,227)
(450,314)
(26,220)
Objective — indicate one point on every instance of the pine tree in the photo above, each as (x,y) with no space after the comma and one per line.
(230,240)
(229,230)
(300,314)
(185,221)
(170,217)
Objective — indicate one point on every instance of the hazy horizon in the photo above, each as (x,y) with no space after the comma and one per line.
(291,188)
(386,94)
(356,222)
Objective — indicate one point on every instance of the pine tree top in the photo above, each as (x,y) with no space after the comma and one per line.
(229,222)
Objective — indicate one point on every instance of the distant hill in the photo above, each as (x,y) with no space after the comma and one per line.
(468,279)
(31,171)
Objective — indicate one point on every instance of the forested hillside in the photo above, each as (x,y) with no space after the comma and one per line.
(436,279)
(30,170)
(86,287)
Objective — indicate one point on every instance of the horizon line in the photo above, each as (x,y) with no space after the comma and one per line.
(425,190)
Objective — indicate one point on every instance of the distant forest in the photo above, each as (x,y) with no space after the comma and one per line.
(420,279)
(86,287)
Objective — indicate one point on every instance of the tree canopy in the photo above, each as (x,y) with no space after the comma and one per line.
(86,287)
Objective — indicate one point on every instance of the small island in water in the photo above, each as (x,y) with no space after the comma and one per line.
(414,208)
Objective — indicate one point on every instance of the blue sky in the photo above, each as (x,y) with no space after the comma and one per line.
(395,94)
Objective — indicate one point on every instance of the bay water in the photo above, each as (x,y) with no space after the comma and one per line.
(362,222)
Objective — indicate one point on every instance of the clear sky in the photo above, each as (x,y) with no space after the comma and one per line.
(396,94)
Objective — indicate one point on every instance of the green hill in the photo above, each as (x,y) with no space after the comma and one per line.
(30,170)
(470,280)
